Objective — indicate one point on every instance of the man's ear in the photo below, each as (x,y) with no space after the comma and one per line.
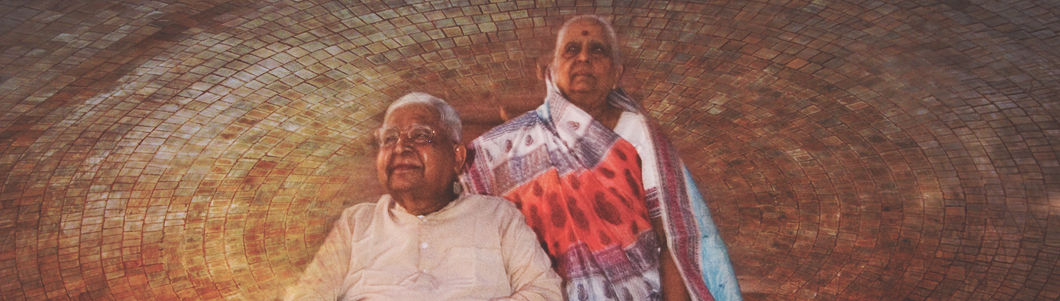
(461,157)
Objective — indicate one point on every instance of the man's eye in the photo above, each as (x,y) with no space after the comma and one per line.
(389,138)
(599,50)
(420,136)
(572,49)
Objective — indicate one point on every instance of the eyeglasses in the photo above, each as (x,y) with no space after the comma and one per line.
(416,133)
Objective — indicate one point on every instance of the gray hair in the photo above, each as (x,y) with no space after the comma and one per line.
(450,118)
(612,38)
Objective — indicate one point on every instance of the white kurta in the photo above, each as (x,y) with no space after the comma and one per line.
(476,248)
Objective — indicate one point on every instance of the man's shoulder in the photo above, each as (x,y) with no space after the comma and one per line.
(364,209)
(485,198)
(490,205)
(358,217)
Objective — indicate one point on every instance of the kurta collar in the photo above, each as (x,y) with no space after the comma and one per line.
(449,210)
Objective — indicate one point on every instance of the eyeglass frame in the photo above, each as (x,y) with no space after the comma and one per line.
(407,133)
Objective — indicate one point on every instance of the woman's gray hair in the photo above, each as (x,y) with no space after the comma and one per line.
(612,38)
(450,118)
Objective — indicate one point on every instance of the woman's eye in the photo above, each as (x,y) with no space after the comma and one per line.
(572,49)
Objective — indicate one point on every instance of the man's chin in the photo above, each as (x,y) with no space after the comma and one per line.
(402,185)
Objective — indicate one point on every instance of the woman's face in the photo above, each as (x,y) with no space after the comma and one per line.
(424,162)
(583,63)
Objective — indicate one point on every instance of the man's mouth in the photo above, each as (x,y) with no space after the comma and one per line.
(404,167)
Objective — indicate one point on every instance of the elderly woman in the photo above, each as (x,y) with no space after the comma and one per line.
(608,196)
(425,240)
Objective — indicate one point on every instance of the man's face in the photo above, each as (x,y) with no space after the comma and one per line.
(583,60)
(425,164)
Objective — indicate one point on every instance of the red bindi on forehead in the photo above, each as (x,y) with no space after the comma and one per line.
(585,32)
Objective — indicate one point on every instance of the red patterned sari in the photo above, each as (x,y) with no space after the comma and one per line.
(590,198)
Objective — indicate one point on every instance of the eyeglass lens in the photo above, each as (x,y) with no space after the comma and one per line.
(417,134)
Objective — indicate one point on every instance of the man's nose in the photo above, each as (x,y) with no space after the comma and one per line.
(403,143)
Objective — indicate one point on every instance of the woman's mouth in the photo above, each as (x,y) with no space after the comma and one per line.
(586,74)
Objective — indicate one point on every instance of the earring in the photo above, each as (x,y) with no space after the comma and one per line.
(457,189)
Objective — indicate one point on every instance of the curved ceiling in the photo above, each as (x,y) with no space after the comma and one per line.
(848,149)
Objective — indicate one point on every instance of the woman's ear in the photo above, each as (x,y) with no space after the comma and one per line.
(543,65)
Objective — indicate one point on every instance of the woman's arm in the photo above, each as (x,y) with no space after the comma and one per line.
(673,286)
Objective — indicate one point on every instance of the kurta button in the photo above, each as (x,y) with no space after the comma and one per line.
(423,245)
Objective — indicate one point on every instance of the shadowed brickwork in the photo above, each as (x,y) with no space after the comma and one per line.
(849,149)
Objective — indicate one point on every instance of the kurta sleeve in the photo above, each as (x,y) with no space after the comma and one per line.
(529,269)
(324,278)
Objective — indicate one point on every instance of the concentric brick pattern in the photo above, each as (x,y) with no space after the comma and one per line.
(853,150)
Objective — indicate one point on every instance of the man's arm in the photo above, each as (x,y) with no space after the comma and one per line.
(323,278)
(529,269)
(673,286)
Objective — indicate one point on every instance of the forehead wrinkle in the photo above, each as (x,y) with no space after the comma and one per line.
(586,40)
(598,31)
(588,31)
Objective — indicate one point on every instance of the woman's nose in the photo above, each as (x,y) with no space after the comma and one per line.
(583,55)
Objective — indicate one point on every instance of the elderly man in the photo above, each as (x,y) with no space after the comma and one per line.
(601,185)
(425,240)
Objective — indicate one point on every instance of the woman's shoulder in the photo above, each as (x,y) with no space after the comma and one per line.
(515,127)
